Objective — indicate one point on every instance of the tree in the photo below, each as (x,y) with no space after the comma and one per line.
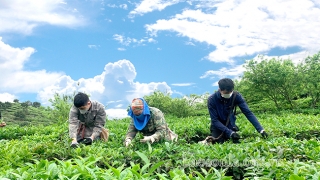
(36,104)
(61,107)
(250,94)
(24,105)
(29,103)
(16,100)
(180,107)
(275,78)
(159,100)
(7,105)
(310,69)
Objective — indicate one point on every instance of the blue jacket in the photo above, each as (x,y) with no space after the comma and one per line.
(219,109)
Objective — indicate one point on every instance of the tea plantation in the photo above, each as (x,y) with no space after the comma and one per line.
(43,152)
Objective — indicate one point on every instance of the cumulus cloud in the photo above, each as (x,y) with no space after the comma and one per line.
(115,84)
(14,78)
(249,27)
(114,87)
(6,97)
(23,16)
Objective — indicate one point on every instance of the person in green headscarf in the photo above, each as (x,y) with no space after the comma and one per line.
(149,121)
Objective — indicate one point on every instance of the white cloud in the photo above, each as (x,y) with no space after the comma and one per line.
(116,113)
(23,16)
(248,27)
(190,43)
(92,46)
(126,41)
(6,97)
(224,72)
(121,49)
(114,87)
(236,71)
(151,40)
(112,5)
(115,84)
(182,84)
(14,78)
(122,40)
(147,6)
(123,6)
(295,57)
(177,92)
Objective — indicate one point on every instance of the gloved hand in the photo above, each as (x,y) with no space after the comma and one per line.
(87,141)
(74,144)
(264,134)
(235,137)
(147,139)
(127,142)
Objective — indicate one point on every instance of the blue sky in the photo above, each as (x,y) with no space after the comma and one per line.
(118,50)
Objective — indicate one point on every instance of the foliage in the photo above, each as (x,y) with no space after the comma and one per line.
(274,78)
(61,107)
(38,151)
(180,107)
(14,113)
(310,69)
(20,114)
(36,104)
(43,152)
(5,105)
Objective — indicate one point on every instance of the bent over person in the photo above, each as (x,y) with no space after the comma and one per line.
(149,121)
(220,107)
(86,120)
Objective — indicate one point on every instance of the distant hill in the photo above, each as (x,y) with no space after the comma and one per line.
(23,115)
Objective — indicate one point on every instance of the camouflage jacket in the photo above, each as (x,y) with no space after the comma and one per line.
(157,127)
(93,120)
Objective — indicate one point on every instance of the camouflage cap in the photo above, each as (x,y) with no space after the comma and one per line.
(137,106)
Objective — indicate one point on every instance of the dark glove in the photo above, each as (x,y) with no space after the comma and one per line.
(264,134)
(235,137)
(74,145)
(87,141)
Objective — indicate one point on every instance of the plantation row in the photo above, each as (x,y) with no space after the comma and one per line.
(43,152)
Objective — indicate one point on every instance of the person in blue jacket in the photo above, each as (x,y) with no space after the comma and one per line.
(219,106)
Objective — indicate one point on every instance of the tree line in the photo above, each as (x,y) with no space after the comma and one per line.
(281,81)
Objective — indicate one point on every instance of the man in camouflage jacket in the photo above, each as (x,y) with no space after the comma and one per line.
(86,120)
(149,121)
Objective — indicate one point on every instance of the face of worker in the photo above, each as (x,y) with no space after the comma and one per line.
(84,109)
(226,94)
